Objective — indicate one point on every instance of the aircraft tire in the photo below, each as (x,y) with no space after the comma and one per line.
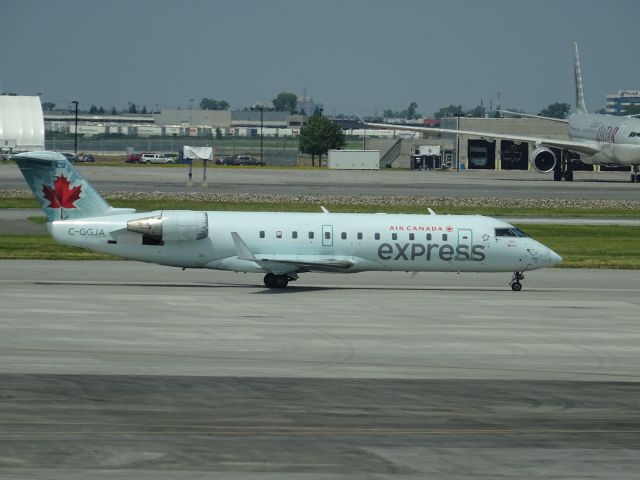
(276,281)
(516,286)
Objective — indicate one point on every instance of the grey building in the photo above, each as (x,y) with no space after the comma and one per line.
(194,118)
(617,103)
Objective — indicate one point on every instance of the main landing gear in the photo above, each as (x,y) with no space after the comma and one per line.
(563,171)
(276,281)
(516,286)
(635,176)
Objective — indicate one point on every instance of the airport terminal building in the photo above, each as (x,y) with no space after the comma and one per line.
(396,147)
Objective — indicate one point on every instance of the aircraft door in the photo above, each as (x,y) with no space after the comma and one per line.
(327,235)
(465,244)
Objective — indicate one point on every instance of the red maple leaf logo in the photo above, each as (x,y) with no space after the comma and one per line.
(61,196)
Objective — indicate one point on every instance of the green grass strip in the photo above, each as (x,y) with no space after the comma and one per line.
(32,247)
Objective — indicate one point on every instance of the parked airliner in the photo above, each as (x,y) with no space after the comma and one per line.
(279,245)
(598,139)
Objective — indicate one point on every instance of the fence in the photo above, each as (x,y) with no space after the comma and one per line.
(277,151)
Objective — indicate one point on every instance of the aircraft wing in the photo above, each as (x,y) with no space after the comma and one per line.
(286,263)
(584,147)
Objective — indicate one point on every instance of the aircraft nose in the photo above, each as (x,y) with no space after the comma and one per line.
(553,257)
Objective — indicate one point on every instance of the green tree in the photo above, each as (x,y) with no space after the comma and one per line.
(556,110)
(101,110)
(286,102)
(319,136)
(114,111)
(211,104)
(144,110)
(93,109)
(410,112)
(450,111)
(48,106)
(478,111)
(133,108)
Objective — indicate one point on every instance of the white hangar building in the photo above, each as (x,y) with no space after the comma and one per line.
(21,124)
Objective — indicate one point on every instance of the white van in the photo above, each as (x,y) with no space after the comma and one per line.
(157,158)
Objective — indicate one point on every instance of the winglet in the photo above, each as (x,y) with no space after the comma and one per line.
(431,212)
(242,251)
(324,210)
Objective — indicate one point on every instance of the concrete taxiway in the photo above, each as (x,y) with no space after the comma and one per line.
(121,369)
(468,183)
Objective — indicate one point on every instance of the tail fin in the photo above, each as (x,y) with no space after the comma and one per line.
(63,193)
(580,105)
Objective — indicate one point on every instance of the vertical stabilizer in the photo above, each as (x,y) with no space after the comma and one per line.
(62,192)
(580,105)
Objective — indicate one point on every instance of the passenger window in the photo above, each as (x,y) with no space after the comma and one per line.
(444,237)
(377,236)
(311,235)
(394,236)
(294,234)
(343,235)
(359,235)
(261,233)
(412,236)
(278,234)
(428,237)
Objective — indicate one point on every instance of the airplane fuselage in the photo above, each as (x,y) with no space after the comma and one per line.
(463,243)
(616,138)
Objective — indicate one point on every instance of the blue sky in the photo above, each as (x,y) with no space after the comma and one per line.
(352,55)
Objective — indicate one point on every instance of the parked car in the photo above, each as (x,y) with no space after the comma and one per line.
(157,158)
(240,160)
(133,158)
(69,156)
(226,160)
(86,157)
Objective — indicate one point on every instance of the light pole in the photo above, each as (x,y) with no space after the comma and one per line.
(261,134)
(75,135)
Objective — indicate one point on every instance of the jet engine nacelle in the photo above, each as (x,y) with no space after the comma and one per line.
(172,226)
(542,160)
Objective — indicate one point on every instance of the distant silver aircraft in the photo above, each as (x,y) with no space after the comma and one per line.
(279,245)
(598,139)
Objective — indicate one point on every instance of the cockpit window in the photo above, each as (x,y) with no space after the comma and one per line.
(632,134)
(510,232)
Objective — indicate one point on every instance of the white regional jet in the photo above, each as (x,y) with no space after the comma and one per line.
(280,245)
(598,139)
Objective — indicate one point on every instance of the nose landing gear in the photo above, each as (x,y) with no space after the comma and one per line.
(516,286)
